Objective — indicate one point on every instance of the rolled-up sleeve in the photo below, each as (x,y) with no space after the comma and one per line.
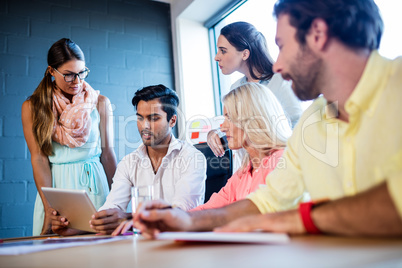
(284,187)
(390,170)
(394,184)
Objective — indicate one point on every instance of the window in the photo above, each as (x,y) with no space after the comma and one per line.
(259,13)
(391,43)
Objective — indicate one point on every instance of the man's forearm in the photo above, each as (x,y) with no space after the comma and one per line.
(207,220)
(371,213)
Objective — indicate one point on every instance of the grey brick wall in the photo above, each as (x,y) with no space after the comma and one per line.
(127,45)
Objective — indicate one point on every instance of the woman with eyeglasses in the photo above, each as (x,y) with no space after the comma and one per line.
(68,129)
(241,47)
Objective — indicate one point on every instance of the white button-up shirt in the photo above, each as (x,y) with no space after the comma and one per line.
(180,179)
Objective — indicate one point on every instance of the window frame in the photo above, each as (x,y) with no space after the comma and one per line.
(213,33)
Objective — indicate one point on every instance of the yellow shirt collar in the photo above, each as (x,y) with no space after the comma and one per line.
(367,92)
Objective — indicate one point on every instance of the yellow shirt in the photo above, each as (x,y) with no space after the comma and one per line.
(329,158)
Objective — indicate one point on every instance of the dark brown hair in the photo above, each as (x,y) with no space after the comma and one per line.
(41,100)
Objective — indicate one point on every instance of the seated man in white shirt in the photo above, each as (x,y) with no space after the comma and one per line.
(174,167)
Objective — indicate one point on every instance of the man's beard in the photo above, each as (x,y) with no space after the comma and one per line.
(306,75)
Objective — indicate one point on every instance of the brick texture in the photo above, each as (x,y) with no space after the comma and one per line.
(127,45)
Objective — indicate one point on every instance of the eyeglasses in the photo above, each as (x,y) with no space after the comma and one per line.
(71,77)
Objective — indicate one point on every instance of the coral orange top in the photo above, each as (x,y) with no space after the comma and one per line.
(242,183)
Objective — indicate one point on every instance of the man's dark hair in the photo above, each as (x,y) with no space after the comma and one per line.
(167,97)
(356,23)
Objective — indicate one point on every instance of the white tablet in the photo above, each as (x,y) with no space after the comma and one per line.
(74,205)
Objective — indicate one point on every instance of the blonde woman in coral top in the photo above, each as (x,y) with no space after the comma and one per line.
(255,121)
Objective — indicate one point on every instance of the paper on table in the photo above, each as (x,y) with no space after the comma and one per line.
(254,237)
(30,246)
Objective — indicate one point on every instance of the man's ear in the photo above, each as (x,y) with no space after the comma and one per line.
(318,34)
(245,54)
(173,120)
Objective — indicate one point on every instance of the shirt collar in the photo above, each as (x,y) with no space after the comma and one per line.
(370,86)
(264,162)
(174,144)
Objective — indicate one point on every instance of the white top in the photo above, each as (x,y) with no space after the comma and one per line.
(283,92)
(180,179)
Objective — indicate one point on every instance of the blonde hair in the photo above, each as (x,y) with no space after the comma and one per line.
(255,109)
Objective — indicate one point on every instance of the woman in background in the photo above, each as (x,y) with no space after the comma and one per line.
(242,48)
(68,129)
(261,129)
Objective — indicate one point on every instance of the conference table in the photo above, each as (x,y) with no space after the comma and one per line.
(300,251)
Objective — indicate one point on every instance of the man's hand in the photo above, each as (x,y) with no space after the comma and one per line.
(281,222)
(106,221)
(157,216)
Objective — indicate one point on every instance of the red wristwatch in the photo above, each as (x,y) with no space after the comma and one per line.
(305,214)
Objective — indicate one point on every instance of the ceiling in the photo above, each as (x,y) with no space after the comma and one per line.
(197,10)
